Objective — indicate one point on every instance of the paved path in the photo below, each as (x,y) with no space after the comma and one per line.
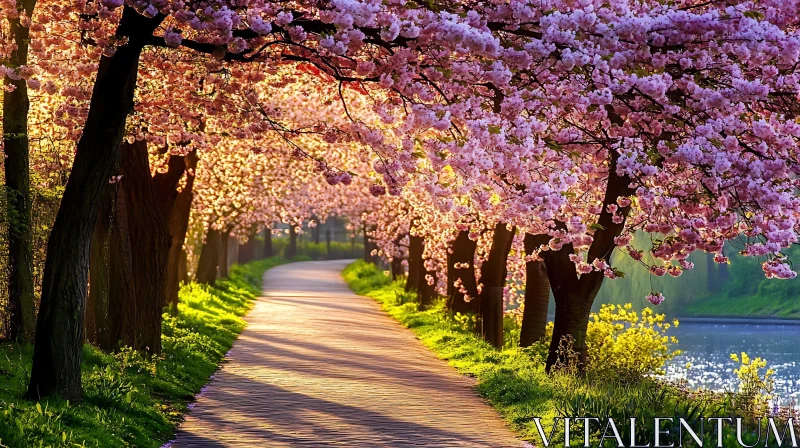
(318,366)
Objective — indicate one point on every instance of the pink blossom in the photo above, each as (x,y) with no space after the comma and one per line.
(655,298)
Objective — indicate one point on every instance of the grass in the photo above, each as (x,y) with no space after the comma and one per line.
(513,380)
(753,306)
(310,250)
(130,400)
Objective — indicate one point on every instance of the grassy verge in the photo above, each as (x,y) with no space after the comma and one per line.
(131,400)
(513,380)
(753,306)
(319,251)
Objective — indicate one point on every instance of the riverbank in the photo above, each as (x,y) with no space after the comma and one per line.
(738,320)
(130,400)
(757,306)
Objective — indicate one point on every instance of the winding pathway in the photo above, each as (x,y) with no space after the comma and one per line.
(319,366)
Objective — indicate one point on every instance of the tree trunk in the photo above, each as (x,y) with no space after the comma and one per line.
(58,348)
(573,306)
(268,252)
(230,254)
(537,294)
(416,245)
(463,251)
(247,251)
(427,291)
(575,294)
(128,262)
(417,273)
(183,267)
(368,246)
(178,227)
(574,297)
(291,248)
(493,277)
(122,307)
(16,104)
(397,268)
(210,256)
(328,243)
(223,255)
(96,322)
(316,231)
(143,244)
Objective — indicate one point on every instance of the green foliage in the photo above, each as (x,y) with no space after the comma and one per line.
(709,289)
(749,293)
(44,206)
(623,343)
(308,250)
(755,388)
(131,399)
(364,277)
(514,379)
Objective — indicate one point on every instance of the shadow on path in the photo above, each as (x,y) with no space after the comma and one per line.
(318,366)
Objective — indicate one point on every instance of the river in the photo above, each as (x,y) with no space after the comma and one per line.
(707,346)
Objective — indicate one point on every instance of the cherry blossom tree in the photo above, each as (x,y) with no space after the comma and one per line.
(580,123)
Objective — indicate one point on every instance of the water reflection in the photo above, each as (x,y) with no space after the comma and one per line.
(708,348)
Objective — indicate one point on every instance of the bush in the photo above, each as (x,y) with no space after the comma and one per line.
(755,389)
(622,343)
(131,399)
(364,277)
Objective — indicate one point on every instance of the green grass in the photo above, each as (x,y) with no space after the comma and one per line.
(310,250)
(513,380)
(749,294)
(756,306)
(131,400)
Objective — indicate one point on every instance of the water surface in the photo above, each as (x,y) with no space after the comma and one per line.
(708,346)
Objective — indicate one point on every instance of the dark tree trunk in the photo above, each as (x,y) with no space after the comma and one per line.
(56,367)
(16,104)
(396,264)
(416,245)
(417,273)
(128,265)
(291,248)
(247,251)
(210,256)
(574,295)
(183,267)
(223,254)
(462,251)
(97,324)
(229,254)
(316,230)
(493,277)
(397,268)
(178,226)
(574,299)
(141,264)
(427,292)
(328,242)
(368,246)
(268,252)
(537,294)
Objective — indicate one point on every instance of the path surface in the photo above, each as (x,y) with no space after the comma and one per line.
(318,366)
